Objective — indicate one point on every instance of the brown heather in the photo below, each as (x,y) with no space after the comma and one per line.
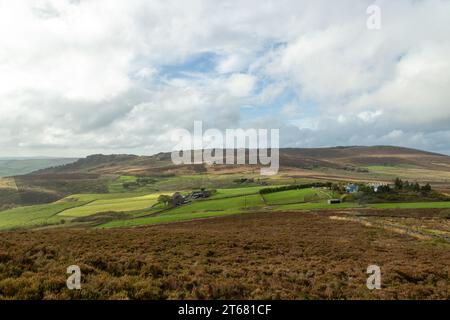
(251,256)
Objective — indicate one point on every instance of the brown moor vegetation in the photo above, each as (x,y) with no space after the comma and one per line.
(253,256)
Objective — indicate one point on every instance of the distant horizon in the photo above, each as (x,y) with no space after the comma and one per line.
(45,157)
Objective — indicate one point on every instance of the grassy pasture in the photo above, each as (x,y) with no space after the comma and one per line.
(166,218)
(297,196)
(244,202)
(227,203)
(292,200)
(236,192)
(192,182)
(313,206)
(116,186)
(197,210)
(34,216)
(140,207)
(112,205)
(101,196)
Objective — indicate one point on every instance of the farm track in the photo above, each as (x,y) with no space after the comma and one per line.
(395,227)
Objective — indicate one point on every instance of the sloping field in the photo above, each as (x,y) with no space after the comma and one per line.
(101,196)
(235,192)
(139,209)
(117,185)
(34,216)
(197,210)
(167,218)
(323,205)
(292,200)
(243,202)
(297,196)
(112,205)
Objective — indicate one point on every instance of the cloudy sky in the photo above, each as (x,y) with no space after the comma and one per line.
(91,76)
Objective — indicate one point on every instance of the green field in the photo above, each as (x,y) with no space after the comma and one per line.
(112,205)
(254,203)
(233,204)
(35,216)
(297,196)
(242,203)
(100,196)
(117,185)
(314,206)
(412,205)
(192,182)
(141,208)
(236,192)
(166,219)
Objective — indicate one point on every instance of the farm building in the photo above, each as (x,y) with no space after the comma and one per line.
(376,186)
(200,194)
(177,200)
(352,188)
(334,201)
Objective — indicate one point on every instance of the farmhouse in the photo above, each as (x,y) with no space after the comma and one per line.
(177,200)
(376,186)
(352,188)
(200,194)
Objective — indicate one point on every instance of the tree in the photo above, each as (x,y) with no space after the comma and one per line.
(406,185)
(164,199)
(366,189)
(398,184)
(426,188)
(384,189)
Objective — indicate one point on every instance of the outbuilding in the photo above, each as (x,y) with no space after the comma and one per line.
(334,201)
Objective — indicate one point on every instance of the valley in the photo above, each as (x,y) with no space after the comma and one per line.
(307,233)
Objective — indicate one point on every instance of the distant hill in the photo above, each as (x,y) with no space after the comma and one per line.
(345,158)
(57,178)
(20,166)
(360,156)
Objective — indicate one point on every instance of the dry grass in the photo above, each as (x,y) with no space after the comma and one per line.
(252,256)
(8,183)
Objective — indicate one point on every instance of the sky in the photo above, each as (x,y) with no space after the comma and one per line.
(79,77)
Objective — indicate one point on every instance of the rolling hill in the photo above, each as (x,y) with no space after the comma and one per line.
(345,158)
(115,173)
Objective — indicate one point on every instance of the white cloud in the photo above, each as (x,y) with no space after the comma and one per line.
(370,116)
(240,85)
(91,76)
(232,63)
(291,110)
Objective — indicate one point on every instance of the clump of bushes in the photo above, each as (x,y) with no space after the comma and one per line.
(296,187)
(244,180)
